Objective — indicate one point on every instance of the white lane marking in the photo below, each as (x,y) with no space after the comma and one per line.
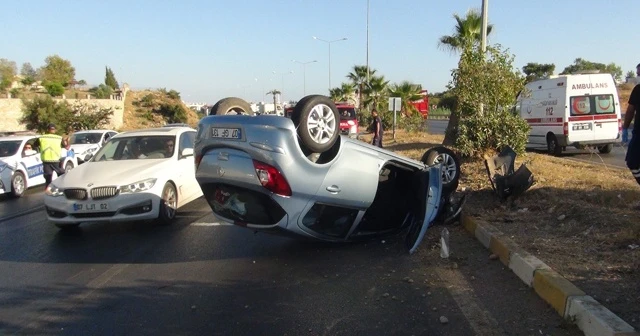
(210,224)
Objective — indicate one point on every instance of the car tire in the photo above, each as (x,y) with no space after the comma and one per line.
(606,149)
(18,184)
(231,106)
(168,204)
(552,145)
(451,165)
(67,226)
(313,115)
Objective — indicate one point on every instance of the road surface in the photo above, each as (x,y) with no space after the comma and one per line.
(615,159)
(199,277)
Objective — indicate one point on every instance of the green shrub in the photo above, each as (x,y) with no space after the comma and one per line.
(54,89)
(491,131)
(172,113)
(42,110)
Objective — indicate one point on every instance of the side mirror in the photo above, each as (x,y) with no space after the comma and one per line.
(186,153)
(30,152)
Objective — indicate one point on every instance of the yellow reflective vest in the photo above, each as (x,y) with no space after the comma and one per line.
(50,147)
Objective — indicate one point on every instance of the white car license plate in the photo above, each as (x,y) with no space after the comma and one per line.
(226,133)
(88,207)
(581,127)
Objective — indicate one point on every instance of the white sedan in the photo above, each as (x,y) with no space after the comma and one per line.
(20,164)
(136,175)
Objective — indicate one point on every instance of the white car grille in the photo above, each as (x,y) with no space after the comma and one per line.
(103,192)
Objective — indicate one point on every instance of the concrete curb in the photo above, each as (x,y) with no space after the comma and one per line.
(569,301)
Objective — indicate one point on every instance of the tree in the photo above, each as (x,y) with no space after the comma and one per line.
(54,89)
(376,92)
(110,79)
(57,69)
(536,70)
(467,32)
(8,71)
(101,91)
(82,82)
(359,79)
(491,80)
(275,93)
(28,73)
(407,92)
(343,93)
(631,74)
(580,64)
(42,110)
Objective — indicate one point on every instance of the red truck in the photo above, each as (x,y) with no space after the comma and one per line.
(422,105)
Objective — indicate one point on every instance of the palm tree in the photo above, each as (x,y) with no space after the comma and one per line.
(407,92)
(467,32)
(376,92)
(359,79)
(275,93)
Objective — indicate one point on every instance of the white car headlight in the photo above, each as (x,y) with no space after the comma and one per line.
(88,151)
(53,190)
(138,186)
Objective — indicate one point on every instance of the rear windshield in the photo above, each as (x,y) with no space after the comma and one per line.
(595,104)
(347,113)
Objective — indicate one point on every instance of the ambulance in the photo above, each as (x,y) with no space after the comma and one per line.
(579,110)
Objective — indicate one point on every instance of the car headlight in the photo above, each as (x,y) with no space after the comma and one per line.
(53,190)
(139,186)
(88,151)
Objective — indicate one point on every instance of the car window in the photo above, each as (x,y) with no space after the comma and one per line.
(347,113)
(9,148)
(186,140)
(137,148)
(85,138)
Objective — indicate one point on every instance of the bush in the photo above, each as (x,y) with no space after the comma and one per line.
(101,91)
(172,113)
(40,111)
(492,131)
(411,123)
(54,89)
(173,94)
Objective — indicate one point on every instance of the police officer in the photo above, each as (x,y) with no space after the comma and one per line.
(633,151)
(50,151)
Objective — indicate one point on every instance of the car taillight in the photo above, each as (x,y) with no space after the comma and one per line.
(272,179)
(565,128)
(619,126)
(351,123)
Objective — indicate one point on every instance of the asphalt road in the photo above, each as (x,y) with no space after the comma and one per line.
(198,277)
(613,159)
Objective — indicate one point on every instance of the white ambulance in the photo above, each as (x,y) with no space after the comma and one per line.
(579,110)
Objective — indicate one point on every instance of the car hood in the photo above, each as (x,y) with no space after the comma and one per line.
(112,172)
(10,161)
(80,148)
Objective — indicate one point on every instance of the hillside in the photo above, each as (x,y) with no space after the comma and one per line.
(624,91)
(152,108)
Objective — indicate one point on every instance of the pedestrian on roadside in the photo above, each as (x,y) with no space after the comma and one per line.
(376,127)
(633,150)
(50,152)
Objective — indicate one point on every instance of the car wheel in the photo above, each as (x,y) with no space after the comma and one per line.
(18,184)
(68,166)
(552,145)
(318,123)
(168,204)
(606,149)
(450,165)
(231,106)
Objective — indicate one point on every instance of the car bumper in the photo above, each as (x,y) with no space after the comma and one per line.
(5,182)
(122,207)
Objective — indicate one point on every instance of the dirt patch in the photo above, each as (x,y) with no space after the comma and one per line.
(140,109)
(579,218)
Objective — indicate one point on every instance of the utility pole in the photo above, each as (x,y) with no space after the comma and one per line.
(483,41)
(367,41)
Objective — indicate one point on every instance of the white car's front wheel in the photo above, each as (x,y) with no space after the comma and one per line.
(18,184)
(168,204)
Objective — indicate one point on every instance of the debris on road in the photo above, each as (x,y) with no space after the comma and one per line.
(504,180)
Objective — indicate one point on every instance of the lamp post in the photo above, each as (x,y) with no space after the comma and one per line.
(367,41)
(483,41)
(304,74)
(329,43)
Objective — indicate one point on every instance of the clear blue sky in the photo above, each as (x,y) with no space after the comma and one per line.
(209,49)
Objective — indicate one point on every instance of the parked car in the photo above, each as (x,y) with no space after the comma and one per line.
(21,168)
(88,142)
(136,175)
(348,118)
(300,177)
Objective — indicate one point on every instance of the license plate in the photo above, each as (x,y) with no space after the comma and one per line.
(226,133)
(581,127)
(90,207)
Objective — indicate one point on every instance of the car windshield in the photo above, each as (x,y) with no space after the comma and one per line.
(85,138)
(347,113)
(9,148)
(137,148)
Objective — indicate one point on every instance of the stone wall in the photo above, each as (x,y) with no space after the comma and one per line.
(11,112)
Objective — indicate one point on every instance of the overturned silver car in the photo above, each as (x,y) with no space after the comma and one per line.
(300,177)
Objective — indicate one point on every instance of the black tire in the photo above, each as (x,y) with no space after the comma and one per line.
(451,165)
(553,147)
(308,108)
(231,106)
(168,206)
(606,149)
(18,184)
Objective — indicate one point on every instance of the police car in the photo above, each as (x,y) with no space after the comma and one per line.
(88,142)
(20,164)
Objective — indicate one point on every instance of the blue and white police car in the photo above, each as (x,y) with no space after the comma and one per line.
(20,164)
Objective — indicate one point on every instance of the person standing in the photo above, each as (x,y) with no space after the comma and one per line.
(376,127)
(50,152)
(633,150)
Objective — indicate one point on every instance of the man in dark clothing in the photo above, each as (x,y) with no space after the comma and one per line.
(376,127)
(633,151)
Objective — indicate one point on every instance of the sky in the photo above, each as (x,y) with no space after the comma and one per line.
(211,49)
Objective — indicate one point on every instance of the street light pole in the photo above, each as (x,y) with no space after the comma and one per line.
(304,74)
(329,43)
(483,41)
(367,41)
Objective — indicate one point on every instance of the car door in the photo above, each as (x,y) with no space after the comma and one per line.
(429,183)
(187,175)
(32,164)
